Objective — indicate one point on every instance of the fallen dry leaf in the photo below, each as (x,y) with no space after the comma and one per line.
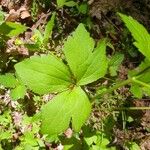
(24,14)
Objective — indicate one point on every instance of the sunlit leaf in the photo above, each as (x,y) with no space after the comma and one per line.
(86,63)
(67,106)
(43,74)
(8,80)
(11,29)
(139,33)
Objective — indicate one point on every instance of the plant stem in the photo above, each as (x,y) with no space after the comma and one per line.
(111,89)
(125,108)
(133,108)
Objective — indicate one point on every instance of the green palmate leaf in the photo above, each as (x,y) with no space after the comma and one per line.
(139,33)
(11,29)
(8,80)
(18,92)
(49,28)
(86,63)
(43,74)
(68,106)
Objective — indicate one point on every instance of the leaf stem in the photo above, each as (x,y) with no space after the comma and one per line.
(133,108)
(111,89)
(125,108)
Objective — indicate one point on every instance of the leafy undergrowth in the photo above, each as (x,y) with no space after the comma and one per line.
(68,82)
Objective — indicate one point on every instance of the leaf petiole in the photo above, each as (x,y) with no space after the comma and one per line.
(111,89)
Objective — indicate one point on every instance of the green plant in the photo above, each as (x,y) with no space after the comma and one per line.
(69,3)
(132,146)
(6,129)
(83,8)
(95,140)
(18,90)
(139,77)
(42,39)
(2,17)
(84,63)
(34,10)
(11,29)
(46,73)
(30,138)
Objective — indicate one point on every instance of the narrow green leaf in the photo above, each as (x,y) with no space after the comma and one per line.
(87,64)
(11,29)
(139,33)
(49,28)
(44,74)
(68,106)
(8,80)
(18,92)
